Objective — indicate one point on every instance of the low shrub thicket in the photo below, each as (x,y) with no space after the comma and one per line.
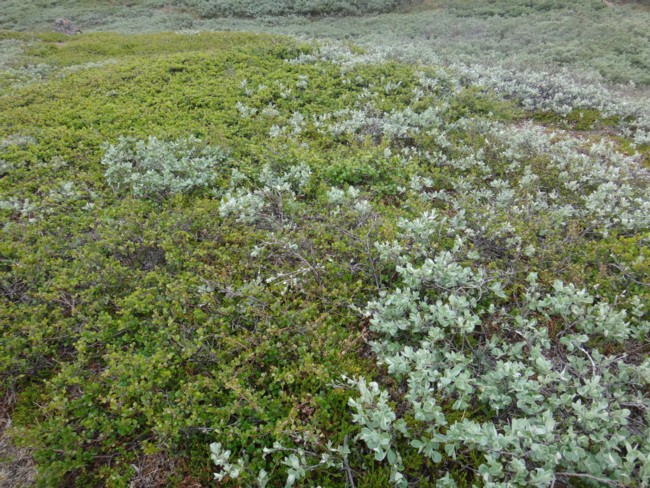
(541,35)
(172,305)
(256,8)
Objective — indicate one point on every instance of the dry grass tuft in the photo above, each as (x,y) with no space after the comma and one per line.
(153,471)
(16,464)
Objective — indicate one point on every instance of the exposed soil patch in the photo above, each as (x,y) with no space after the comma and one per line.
(16,464)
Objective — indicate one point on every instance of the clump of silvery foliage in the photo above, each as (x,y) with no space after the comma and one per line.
(298,462)
(267,199)
(550,370)
(554,406)
(544,368)
(542,381)
(535,90)
(157,168)
(558,92)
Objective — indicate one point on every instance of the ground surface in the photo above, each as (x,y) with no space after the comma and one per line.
(203,232)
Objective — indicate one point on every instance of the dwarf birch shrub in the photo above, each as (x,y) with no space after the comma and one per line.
(157,168)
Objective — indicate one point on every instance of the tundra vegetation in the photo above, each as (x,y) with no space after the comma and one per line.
(249,260)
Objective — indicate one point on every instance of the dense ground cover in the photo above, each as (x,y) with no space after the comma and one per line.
(605,39)
(204,232)
(250,8)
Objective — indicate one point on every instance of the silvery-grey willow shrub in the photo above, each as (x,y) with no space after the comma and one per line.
(158,168)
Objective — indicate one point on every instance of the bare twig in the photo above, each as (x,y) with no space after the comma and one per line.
(593,365)
(348,471)
(591,477)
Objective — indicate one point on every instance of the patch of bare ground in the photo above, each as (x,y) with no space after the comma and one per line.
(17,468)
(156,470)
